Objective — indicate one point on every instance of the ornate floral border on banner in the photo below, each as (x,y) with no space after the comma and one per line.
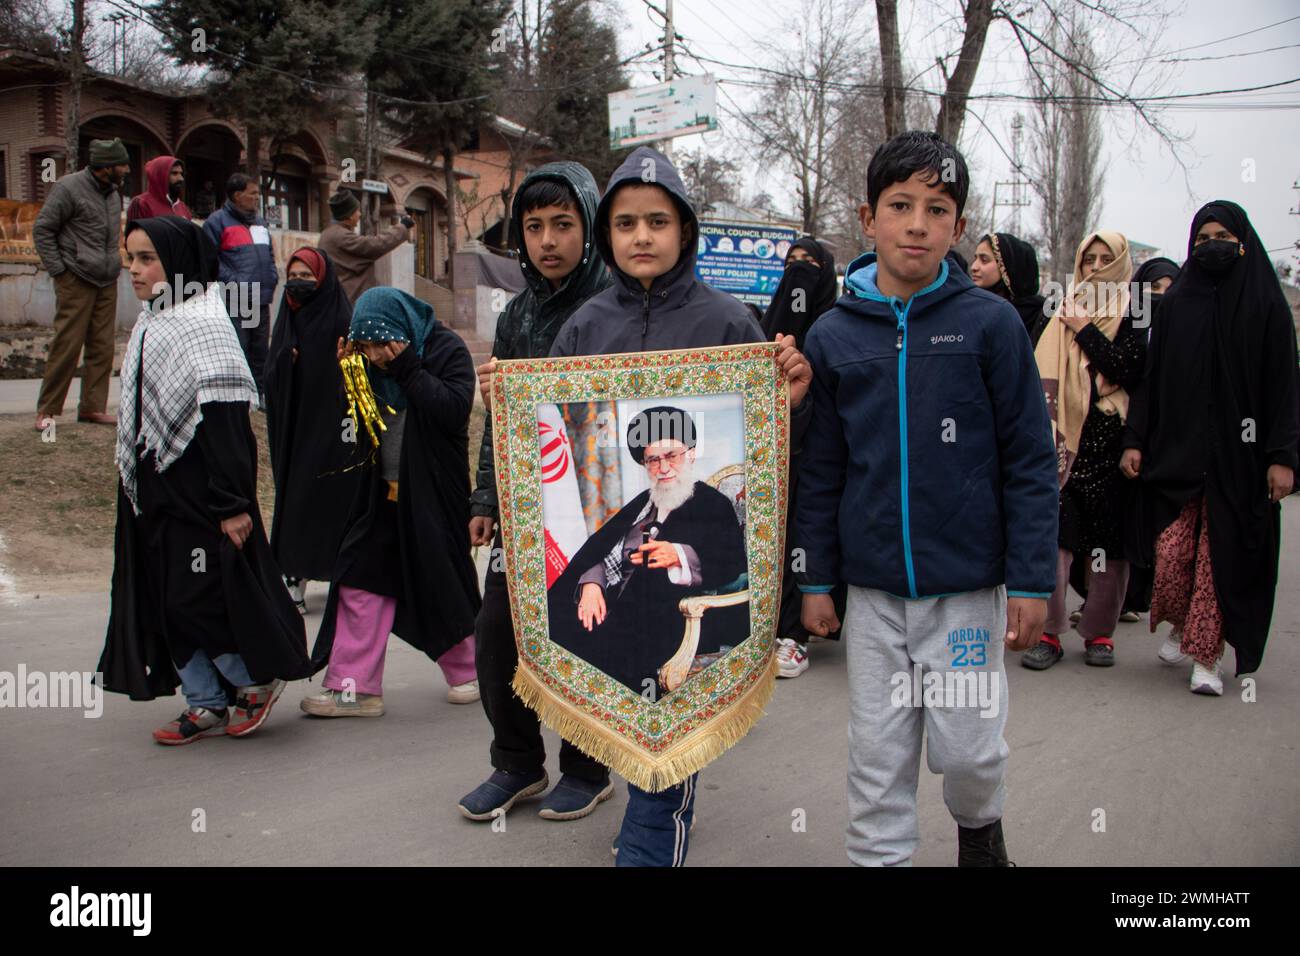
(655,744)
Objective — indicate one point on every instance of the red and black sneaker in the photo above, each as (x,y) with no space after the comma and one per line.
(252,706)
(196,722)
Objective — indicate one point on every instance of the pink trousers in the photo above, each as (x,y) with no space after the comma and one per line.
(361,632)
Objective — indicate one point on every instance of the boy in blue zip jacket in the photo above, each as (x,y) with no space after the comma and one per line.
(928,485)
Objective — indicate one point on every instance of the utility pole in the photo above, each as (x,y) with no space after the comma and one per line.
(117,25)
(1017,130)
(669,66)
(1016,185)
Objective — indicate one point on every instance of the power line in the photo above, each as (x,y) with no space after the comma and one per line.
(1008,97)
(1228,56)
(1235,36)
(1198,46)
(720,10)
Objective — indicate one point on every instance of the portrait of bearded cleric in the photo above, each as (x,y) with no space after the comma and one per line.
(617,604)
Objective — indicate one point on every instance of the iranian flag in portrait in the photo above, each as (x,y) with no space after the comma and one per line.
(566,529)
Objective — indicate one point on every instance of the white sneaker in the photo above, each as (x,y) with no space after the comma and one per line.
(1206,680)
(297,593)
(465,693)
(791,656)
(1171,650)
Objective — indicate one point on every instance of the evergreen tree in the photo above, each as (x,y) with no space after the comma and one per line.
(579,66)
(436,71)
(274,63)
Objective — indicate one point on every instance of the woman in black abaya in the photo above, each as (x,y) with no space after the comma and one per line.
(312,452)
(1212,440)
(196,596)
(808,288)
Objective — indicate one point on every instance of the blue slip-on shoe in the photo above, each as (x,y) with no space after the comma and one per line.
(574,798)
(501,791)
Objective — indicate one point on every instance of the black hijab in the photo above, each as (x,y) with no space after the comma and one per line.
(1219,404)
(794,315)
(1156,269)
(187,254)
(1148,273)
(1018,280)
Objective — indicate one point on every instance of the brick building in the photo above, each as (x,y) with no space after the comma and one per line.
(307,165)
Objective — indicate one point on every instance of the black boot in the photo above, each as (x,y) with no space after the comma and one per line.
(982,846)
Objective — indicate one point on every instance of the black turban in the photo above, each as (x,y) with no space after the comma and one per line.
(661,423)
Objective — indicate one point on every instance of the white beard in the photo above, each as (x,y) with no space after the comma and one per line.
(672,496)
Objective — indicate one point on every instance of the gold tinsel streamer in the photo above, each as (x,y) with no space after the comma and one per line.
(363,407)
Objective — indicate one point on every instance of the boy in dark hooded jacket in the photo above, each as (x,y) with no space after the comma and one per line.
(553,217)
(928,486)
(647,233)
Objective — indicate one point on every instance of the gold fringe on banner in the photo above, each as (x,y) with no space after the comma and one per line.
(625,757)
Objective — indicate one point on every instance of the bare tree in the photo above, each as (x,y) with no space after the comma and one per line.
(1066,142)
(29,25)
(1132,22)
(709,179)
(956,91)
(891,57)
(75,51)
(797,127)
(864,123)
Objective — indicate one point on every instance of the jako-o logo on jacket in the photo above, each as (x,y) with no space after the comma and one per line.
(936,339)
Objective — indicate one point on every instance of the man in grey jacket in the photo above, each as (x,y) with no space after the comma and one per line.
(77,236)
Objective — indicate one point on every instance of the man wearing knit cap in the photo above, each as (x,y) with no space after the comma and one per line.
(354,255)
(77,235)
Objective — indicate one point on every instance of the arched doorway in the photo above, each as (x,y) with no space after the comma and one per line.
(291,182)
(210,153)
(429,211)
(141,143)
(284,192)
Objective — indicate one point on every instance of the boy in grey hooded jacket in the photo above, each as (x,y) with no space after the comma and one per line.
(646,231)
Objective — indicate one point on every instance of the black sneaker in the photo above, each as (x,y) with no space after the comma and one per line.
(1041,656)
(982,846)
(574,798)
(501,791)
(1099,654)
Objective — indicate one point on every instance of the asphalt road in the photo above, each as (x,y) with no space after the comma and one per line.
(1183,779)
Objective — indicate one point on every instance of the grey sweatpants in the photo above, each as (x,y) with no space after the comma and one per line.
(958,696)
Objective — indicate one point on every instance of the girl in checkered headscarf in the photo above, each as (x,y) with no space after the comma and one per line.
(196,597)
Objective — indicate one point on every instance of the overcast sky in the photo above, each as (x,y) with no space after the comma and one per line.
(1145,193)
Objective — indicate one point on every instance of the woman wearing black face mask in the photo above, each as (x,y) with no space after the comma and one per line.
(808,288)
(310,446)
(1212,437)
(1158,274)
